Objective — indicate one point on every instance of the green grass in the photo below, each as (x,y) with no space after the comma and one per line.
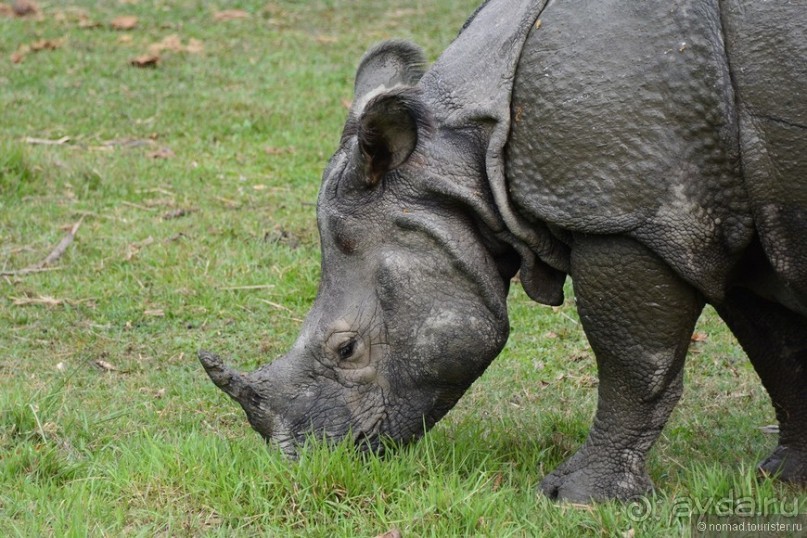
(151,447)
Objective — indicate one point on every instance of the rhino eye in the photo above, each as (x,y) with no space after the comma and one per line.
(346,349)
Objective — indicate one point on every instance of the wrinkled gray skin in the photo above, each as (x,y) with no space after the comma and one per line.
(655,152)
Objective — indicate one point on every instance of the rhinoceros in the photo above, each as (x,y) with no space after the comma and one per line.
(654,152)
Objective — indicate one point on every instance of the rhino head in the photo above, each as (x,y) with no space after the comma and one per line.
(416,265)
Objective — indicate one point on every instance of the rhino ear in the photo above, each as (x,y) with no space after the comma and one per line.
(388,129)
(387,65)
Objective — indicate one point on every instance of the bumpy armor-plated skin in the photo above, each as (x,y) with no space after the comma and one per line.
(670,147)
(624,123)
(653,151)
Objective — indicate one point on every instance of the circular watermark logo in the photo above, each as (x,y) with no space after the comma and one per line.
(639,508)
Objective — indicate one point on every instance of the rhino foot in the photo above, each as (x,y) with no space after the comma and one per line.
(585,479)
(786,464)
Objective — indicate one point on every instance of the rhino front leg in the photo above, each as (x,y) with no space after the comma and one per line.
(638,316)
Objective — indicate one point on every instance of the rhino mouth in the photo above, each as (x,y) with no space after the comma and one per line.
(364,443)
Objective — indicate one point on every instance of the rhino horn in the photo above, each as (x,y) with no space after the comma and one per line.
(244,389)
(230,381)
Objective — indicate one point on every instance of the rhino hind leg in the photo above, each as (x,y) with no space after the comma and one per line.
(775,339)
(638,316)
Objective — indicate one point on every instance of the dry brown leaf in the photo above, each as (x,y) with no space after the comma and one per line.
(146,60)
(156,312)
(124,22)
(69,15)
(231,14)
(174,43)
(171,42)
(125,39)
(24,8)
(43,44)
(699,337)
(326,39)
(162,153)
(194,46)
(47,44)
(19,55)
(78,16)
(104,365)
(6,11)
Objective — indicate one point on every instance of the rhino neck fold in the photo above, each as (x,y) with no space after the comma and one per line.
(471,86)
